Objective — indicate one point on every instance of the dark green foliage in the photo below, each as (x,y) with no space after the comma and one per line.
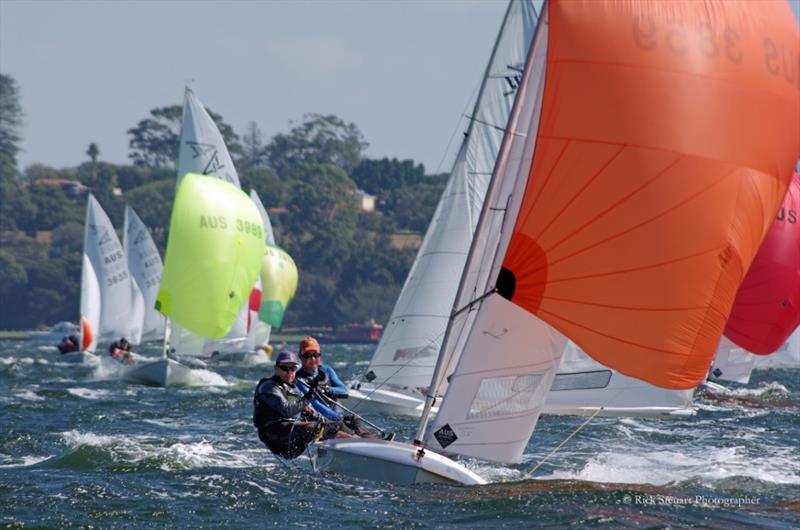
(271,190)
(53,208)
(12,273)
(379,177)
(10,117)
(369,301)
(318,140)
(349,271)
(154,140)
(16,207)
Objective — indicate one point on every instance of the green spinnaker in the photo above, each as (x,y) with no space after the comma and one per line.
(213,257)
(278,284)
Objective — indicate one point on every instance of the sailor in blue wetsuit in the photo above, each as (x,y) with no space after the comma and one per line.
(282,413)
(329,388)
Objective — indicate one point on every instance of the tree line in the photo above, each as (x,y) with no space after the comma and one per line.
(349,269)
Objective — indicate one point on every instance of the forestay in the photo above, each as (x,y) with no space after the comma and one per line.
(413,335)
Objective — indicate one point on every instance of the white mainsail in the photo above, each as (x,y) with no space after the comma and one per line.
(110,300)
(413,335)
(145,266)
(732,363)
(202,149)
(504,357)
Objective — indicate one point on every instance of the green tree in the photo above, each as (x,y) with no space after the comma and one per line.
(153,204)
(380,177)
(370,301)
(318,140)
(12,275)
(16,207)
(155,140)
(93,152)
(271,190)
(253,154)
(10,117)
(413,207)
(322,217)
(53,208)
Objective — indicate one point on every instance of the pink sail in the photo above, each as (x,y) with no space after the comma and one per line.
(767,307)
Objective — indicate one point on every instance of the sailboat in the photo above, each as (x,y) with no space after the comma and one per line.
(633,187)
(767,307)
(202,150)
(112,305)
(212,261)
(271,297)
(406,354)
(583,386)
(145,266)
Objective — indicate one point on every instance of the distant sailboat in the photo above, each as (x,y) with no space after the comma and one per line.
(212,261)
(406,354)
(278,283)
(767,306)
(145,266)
(270,298)
(112,306)
(632,190)
(202,151)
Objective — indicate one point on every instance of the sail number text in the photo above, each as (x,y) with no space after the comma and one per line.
(242,225)
(703,40)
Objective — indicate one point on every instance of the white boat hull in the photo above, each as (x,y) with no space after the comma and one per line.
(393,462)
(163,372)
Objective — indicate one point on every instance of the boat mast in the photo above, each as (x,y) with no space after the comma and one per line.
(501,157)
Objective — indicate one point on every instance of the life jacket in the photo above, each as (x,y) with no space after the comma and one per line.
(324,380)
(263,414)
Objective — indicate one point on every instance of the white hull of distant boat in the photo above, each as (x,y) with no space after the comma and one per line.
(163,372)
(394,462)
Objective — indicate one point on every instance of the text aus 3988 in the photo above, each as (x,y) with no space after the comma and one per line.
(222,222)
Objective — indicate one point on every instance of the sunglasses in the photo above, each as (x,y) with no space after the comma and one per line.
(309,355)
(288,367)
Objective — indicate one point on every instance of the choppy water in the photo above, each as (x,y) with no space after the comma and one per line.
(79,448)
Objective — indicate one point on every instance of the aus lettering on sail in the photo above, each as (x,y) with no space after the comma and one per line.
(787,215)
(221,222)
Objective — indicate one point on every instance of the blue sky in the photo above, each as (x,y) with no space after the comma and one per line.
(88,71)
(404,72)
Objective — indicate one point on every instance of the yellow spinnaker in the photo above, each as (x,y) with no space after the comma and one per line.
(213,255)
(278,284)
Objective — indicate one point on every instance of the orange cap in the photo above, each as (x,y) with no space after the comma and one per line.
(308,343)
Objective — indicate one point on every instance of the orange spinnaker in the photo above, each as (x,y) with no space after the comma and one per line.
(666,143)
(86,334)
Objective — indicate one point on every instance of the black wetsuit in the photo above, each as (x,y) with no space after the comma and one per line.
(285,421)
